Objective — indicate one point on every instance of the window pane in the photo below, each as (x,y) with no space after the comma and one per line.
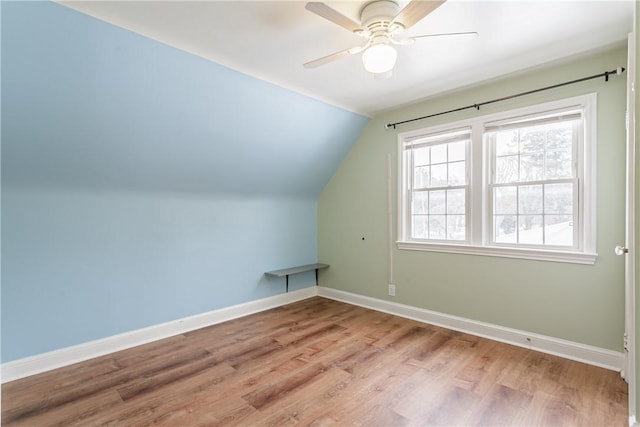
(456,227)
(505,229)
(530,229)
(421,177)
(558,198)
(532,167)
(530,199)
(533,139)
(558,230)
(507,143)
(558,165)
(419,227)
(457,173)
(439,153)
(557,227)
(439,215)
(420,203)
(506,169)
(560,136)
(439,175)
(437,227)
(456,201)
(534,153)
(421,156)
(437,202)
(505,200)
(457,151)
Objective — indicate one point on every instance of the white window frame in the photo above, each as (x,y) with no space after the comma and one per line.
(408,153)
(479,163)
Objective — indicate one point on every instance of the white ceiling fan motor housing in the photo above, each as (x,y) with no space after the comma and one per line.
(377,15)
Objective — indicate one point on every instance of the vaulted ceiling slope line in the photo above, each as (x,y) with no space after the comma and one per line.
(272,39)
(88,104)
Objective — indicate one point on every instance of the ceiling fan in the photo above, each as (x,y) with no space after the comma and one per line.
(381,22)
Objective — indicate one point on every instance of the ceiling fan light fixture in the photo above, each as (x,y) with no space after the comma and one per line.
(379,58)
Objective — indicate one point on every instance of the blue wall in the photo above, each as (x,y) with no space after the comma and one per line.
(141,184)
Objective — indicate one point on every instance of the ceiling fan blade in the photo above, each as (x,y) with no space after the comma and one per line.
(334,56)
(415,11)
(410,40)
(333,15)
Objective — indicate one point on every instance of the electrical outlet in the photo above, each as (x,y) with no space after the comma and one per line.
(392,290)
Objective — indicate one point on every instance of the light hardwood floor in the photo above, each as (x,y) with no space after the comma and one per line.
(320,362)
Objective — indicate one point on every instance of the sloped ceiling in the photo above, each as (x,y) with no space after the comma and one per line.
(88,104)
(272,39)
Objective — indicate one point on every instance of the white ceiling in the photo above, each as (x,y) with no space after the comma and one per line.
(271,40)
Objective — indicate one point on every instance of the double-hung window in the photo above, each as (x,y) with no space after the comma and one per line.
(534,183)
(437,166)
(514,184)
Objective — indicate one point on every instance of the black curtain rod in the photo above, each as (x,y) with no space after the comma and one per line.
(618,71)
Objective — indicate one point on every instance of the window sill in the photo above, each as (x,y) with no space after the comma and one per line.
(534,254)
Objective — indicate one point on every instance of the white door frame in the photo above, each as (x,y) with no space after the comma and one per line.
(630,298)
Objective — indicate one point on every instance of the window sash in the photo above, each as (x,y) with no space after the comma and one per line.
(490,137)
(575,217)
(445,213)
(452,136)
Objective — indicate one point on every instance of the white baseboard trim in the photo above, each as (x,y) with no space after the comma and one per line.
(604,358)
(39,363)
(632,421)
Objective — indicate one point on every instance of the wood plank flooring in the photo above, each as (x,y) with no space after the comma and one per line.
(319,363)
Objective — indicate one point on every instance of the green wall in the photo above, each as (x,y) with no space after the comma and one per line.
(580,303)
